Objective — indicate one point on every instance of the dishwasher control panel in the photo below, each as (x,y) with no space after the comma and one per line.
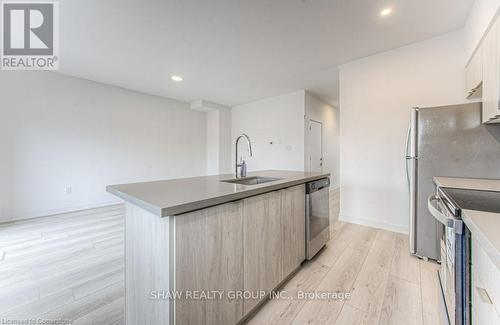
(317,185)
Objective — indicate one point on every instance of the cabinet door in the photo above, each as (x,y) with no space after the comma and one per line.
(474,74)
(495,108)
(293,227)
(208,256)
(484,287)
(262,245)
(491,73)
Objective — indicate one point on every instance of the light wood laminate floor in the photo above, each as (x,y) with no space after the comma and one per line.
(70,266)
(67,266)
(387,285)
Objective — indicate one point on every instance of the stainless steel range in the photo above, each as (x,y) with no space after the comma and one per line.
(455,276)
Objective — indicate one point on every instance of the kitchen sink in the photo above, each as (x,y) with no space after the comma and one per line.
(253,180)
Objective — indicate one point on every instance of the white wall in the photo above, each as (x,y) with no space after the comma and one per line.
(318,110)
(57,131)
(376,94)
(225,141)
(478,21)
(279,120)
(219,141)
(213,145)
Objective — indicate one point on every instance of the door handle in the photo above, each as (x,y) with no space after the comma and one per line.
(407,140)
(407,155)
(456,224)
(407,172)
(485,297)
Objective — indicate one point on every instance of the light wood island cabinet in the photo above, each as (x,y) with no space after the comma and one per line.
(262,245)
(293,228)
(250,245)
(208,258)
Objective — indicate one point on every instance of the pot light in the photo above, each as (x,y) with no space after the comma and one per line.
(176,78)
(386,12)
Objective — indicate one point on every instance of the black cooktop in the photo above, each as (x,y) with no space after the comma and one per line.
(488,201)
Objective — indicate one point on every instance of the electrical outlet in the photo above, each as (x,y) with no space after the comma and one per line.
(69,190)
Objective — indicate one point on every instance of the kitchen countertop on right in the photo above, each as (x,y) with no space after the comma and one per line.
(469,183)
(483,225)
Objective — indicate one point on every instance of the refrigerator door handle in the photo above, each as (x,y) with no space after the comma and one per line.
(407,146)
(407,155)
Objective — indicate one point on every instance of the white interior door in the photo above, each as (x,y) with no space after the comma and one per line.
(315,146)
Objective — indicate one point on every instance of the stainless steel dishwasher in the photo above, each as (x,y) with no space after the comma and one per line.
(317,216)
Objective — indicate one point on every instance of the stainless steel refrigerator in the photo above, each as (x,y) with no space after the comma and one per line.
(445,141)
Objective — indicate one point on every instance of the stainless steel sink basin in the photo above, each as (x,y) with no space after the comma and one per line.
(253,180)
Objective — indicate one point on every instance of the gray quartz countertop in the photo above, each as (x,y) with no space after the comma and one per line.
(177,196)
(469,183)
(484,226)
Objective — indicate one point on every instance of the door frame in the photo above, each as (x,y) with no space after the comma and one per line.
(309,138)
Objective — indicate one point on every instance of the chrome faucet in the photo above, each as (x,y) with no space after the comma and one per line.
(243,172)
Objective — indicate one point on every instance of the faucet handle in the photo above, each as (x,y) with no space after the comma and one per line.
(243,171)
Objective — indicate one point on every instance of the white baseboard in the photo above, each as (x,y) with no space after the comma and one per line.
(39,214)
(402,229)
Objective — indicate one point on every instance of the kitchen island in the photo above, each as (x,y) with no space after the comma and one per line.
(219,245)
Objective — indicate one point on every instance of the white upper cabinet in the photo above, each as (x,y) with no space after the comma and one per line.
(482,74)
(474,75)
(490,51)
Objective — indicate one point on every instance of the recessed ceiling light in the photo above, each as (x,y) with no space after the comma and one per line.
(386,12)
(176,78)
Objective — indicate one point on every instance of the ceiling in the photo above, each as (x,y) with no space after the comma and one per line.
(234,51)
